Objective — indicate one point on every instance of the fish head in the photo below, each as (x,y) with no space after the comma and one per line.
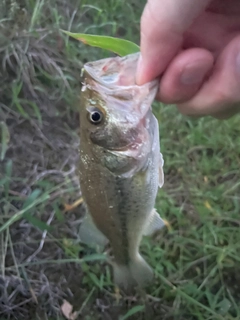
(114,110)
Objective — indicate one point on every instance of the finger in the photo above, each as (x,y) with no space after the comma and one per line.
(226,7)
(162,26)
(212,31)
(185,75)
(220,95)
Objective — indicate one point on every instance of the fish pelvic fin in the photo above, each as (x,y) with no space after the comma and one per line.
(136,274)
(90,235)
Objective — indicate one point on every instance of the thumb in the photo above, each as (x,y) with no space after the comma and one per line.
(163,23)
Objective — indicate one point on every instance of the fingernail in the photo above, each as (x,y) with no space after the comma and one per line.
(192,74)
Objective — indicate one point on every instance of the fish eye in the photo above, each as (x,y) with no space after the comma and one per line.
(95,116)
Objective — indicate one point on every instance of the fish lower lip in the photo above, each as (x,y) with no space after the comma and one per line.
(125,148)
(132,145)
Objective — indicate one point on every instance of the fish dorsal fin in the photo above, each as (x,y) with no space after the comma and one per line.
(90,235)
(155,223)
(161,173)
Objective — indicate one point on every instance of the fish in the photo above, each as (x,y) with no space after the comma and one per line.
(121,166)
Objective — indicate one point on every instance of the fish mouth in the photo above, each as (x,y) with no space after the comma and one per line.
(116,72)
(133,145)
(113,79)
(130,146)
(131,140)
(112,72)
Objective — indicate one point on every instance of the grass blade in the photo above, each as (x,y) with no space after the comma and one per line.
(89,258)
(36,222)
(21,213)
(31,198)
(188,298)
(119,46)
(132,311)
(5,138)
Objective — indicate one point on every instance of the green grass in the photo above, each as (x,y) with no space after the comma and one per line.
(196,262)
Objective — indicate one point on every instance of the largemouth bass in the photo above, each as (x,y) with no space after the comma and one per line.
(121,166)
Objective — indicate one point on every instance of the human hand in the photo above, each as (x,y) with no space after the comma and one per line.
(194,45)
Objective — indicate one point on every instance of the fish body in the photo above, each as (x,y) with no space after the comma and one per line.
(121,166)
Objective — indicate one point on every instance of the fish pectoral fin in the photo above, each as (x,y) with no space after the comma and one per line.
(161,173)
(89,233)
(155,223)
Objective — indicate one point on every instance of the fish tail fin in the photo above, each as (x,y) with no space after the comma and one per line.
(141,271)
(123,276)
(136,273)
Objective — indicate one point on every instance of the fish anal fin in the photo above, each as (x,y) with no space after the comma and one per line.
(89,233)
(155,223)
